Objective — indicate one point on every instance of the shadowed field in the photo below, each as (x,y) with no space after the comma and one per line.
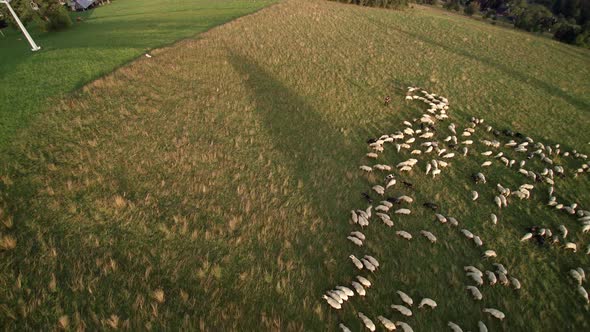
(209,187)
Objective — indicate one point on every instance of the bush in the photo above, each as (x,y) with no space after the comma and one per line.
(471,8)
(452,5)
(567,33)
(534,18)
(58,19)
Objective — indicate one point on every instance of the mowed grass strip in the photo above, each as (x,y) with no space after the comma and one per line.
(210,186)
(106,38)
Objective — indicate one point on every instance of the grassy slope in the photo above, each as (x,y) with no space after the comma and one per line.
(109,37)
(221,172)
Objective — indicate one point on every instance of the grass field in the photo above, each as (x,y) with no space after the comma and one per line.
(107,38)
(210,186)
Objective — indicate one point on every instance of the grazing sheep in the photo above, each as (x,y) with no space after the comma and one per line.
(584,293)
(502,278)
(453,221)
(495,313)
(358,234)
(582,273)
(474,195)
(427,302)
(360,290)
(366,169)
(489,253)
(354,217)
(467,234)
(404,326)
(341,294)
(389,325)
(346,290)
(571,246)
(475,293)
(356,261)
(355,240)
(442,219)
(429,236)
(333,303)
(368,323)
(454,327)
(403,211)
(382,208)
(563,231)
(494,219)
(498,201)
(404,235)
(486,164)
(372,260)
(472,269)
(364,281)
(491,277)
(335,296)
(406,199)
(368,265)
(405,298)
(482,327)
(526,237)
(402,310)
(343,328)
(576,276)
(476,277)
(478,241)
(372,155)
(379,190)
(515,283)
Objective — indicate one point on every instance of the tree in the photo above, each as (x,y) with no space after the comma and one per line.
(49,14)
(535,18)
(471,8)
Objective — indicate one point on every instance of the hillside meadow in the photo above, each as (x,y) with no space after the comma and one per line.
(210,187)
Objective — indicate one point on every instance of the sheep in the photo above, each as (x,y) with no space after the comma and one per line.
(476,277)
(359,265)
(474,195)
(475,293)
(467,234)
(486,163)
(583,293)
(406,199)
(368,323)
(355,240)
(389,325)
(494,219)
(576,276)
(360,290)
(379,189)
(343,328)
(346,290)
(335,296)
(472,269)
(372,155)
(372,260)
(582,273)
(405,298)
(498,201)
(454,327)
(495,313)
(563,231)
(526,237)
(571,246)
(442,219)
(487,153)
(368,265)
(429,236)
(341,294)
(515,283)
(358,234)
(404,326)
(489,253)
(402,310)
(333,303)
(502,278)
(448,155)
(364,281)
(427,302)
(366,169)
(403,211)
(482,327)
(354,217)
(491,278)
(478,241)
(404,235)
(382,208)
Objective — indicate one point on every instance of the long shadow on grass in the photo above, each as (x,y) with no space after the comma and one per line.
(319,156)
(578,103)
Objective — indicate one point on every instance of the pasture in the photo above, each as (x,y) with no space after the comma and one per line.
(210,187)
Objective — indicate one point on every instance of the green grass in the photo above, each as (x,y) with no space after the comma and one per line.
(220,174)
(107,38)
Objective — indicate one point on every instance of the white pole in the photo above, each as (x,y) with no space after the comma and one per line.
(34,46)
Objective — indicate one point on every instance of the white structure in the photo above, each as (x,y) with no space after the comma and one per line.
(34,47)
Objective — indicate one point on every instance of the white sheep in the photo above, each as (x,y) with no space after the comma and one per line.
(429,236)
(333,303)
(389,325)
(495,313)
(454,327)
(403,211)
(405,298)
(404,235)
(489,253)
(355,240)
(360,290)
(368,323)
(427,302)
(475,293)
(404,326)
(364,281)
(359,265)
(402,310)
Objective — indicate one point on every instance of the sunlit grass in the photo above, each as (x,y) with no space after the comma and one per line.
(209,187)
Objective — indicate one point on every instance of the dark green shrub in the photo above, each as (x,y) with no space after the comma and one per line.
(471,8)
(57,19)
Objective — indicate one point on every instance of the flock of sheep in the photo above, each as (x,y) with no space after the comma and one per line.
(419,138)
